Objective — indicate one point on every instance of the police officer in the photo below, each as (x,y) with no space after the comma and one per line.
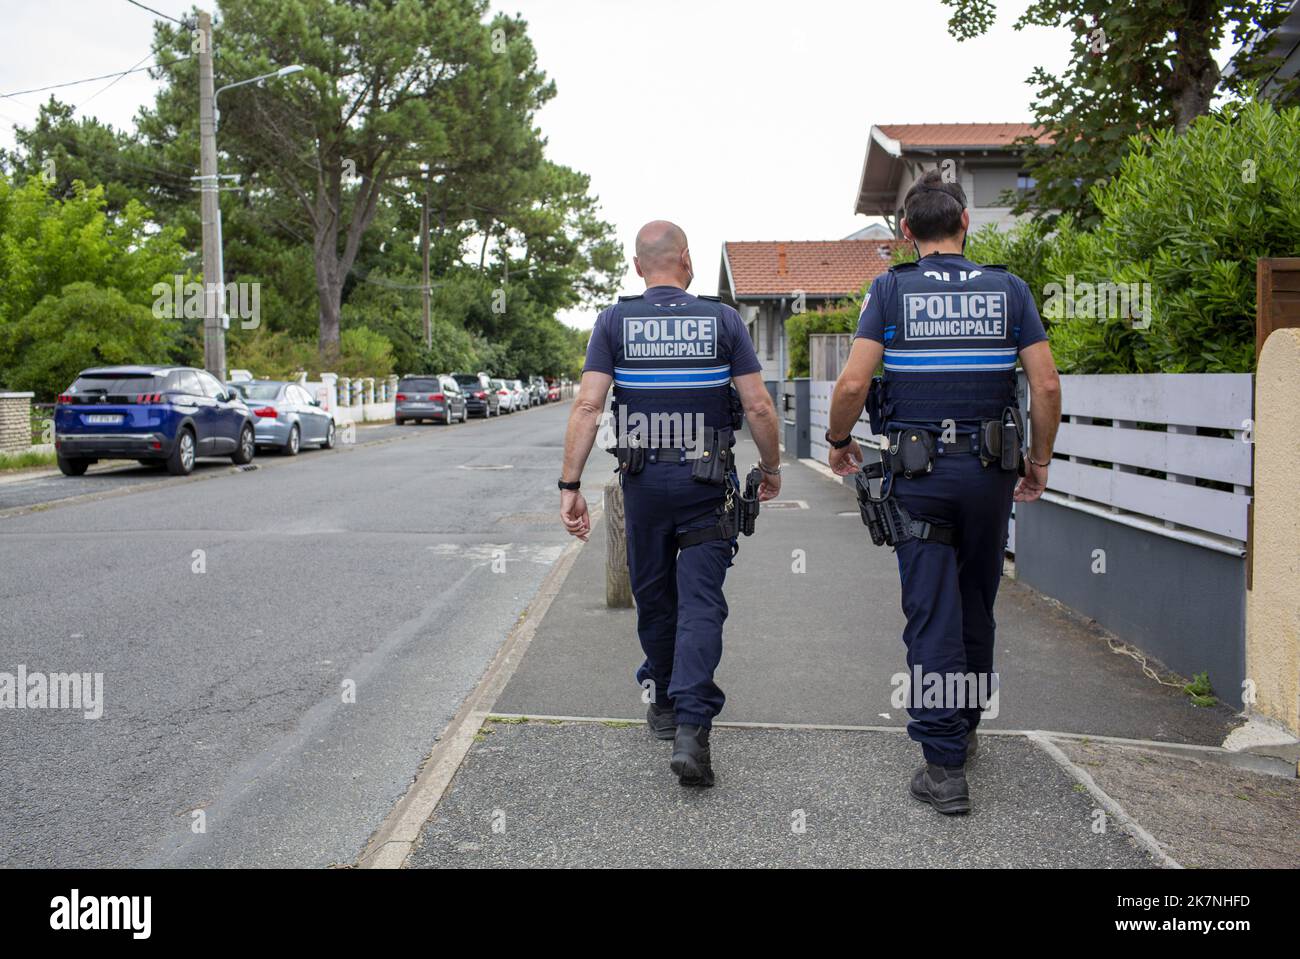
(950,332)
(673,359)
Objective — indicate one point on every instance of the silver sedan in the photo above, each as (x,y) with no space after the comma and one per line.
(286,416)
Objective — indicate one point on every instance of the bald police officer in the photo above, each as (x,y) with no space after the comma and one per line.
(673,359)
(950,332)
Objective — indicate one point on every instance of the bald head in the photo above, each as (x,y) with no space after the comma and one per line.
(661,254)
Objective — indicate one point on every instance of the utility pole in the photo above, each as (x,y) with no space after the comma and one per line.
(424,247)
(214,334)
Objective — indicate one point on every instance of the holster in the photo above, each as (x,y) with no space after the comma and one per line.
(887,520)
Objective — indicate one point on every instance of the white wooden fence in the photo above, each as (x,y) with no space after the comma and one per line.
(1174,458)
(1167,452)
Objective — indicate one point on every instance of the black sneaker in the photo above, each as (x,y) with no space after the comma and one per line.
(662,721)
(691,761)
(942,787)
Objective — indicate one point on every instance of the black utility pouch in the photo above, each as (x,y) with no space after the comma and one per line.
(1002,441)
(631,459)
(713,462)
(912,452)
(874,406)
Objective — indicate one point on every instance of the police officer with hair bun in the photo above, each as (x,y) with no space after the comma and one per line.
(940,491)
(684,374)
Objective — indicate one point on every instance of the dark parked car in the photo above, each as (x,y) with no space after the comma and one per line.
(429,398)
(155,414)
(480,398)
(287,415)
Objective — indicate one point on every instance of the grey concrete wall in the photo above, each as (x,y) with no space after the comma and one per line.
(1183,604)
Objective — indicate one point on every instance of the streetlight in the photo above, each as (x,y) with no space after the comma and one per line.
(212,184)
(282,72)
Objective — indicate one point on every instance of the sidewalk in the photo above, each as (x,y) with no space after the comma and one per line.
(815,773)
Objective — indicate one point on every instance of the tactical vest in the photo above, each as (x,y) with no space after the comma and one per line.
(950,346)
(670,359)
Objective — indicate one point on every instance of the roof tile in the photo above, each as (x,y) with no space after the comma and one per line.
(817,267)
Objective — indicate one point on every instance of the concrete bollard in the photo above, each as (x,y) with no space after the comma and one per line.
(618,587)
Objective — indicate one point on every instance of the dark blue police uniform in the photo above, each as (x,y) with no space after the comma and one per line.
(673,353)
(952,331)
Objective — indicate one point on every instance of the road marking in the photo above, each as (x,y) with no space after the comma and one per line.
(393,841)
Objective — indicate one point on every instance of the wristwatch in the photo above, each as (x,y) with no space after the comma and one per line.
(775,472)
(838,444)
(576,484)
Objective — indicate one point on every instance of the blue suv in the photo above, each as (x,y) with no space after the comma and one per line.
(159,415)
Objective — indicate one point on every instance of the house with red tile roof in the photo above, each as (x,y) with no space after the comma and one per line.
(767,281)
(984,157)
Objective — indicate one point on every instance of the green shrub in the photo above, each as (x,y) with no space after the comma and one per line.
(1190,215)
(842,317)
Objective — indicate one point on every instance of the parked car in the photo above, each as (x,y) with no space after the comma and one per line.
(505,396)
(537,385)
(159,415)
(287,417)
(553,392)
(429,398)
(480,398)
(524,400)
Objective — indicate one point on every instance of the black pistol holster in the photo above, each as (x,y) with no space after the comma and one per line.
(887,520)
(735,516)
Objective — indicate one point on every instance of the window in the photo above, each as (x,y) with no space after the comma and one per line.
(211,387)
(118,384)
(417,384)
(1024,182)
(259,391)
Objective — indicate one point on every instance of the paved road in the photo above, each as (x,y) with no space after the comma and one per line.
(386,566)
(21,490)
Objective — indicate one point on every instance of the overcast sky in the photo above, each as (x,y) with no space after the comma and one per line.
(738,119)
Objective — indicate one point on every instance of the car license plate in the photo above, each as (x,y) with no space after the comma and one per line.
(104,419)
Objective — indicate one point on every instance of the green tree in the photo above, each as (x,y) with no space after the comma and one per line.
(389,86)
(82,325)
(1136,67)
(64,255)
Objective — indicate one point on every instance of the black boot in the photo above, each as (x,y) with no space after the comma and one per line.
(662,721)
(942,787)
(691,761)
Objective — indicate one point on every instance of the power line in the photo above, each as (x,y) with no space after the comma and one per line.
(113,81)
(106,76)
(155,12)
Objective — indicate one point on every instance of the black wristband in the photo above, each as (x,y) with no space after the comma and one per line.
(576,484)
(838,444)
